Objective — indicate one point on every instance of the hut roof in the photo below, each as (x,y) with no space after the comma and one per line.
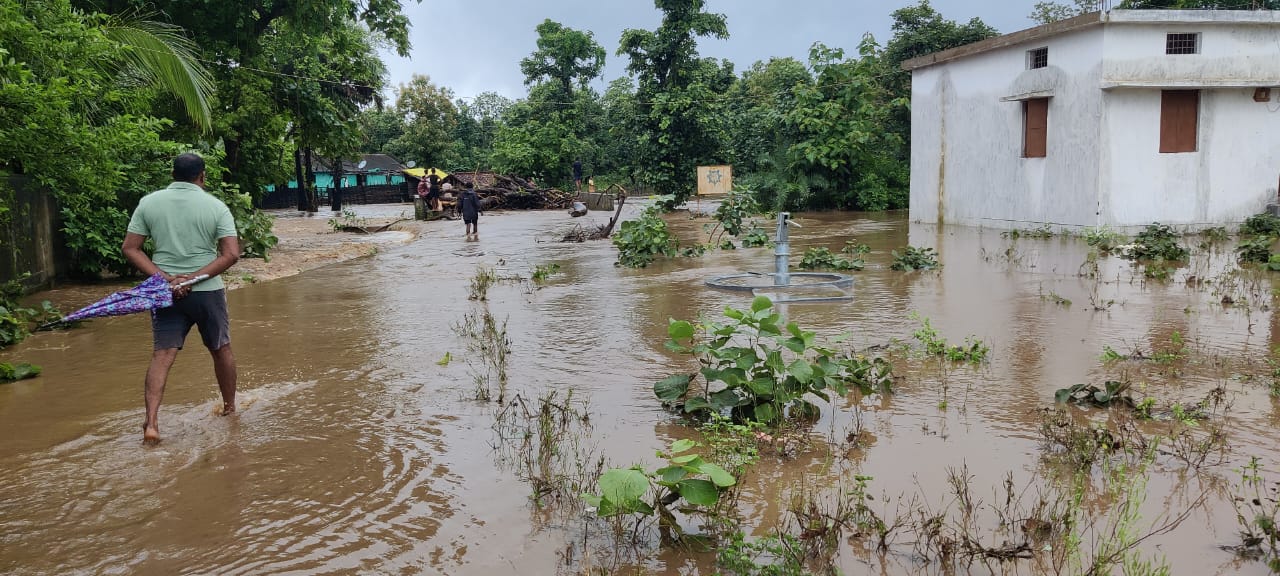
(380,163)
(478,179)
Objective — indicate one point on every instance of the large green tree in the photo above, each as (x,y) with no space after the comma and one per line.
(263,110)
(557,124)
(430,119)
(565,57)
(76,103)
(676,95)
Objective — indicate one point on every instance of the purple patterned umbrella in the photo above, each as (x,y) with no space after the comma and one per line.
(154,292)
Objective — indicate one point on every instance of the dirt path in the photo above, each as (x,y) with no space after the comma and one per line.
(309,241)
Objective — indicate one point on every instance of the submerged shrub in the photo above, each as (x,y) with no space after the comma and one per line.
(755,368)
(1157,241)
(1263,224)
(913,258)
(642,240)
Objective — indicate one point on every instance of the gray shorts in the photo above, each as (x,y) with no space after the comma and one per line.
(205,310)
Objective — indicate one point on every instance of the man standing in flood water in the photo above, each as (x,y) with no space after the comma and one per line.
(194,234)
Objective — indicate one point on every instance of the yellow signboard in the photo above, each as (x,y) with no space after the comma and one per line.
(714,180)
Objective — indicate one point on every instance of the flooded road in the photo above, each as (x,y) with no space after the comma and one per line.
(359,450)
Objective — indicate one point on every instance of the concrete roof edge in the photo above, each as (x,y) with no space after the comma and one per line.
(1261,17)
(1011,39)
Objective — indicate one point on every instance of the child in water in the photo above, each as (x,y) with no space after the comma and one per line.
(469,205)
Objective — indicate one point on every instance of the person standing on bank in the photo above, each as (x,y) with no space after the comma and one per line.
(577,175)
(469,205)
(194,234)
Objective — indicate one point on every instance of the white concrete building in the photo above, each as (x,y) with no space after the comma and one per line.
(1118,119)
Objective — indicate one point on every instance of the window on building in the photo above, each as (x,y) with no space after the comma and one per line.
(1035,127)
(1182,43)
(1179,119)
(1037,58)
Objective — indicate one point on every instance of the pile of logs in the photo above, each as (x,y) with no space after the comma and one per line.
(515,193)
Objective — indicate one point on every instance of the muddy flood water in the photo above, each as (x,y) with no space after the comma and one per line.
(358,449)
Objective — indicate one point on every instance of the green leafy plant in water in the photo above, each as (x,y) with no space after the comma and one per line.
(1263,224)
(913,258)
(822,258)
(756,238)
(1043,232)
(1256,249)
(772,555)
(973,350)
(1157,241)
(543,271)
(1110,392)
(253,225)
(753,368)
(686,476)
(348,219)
(1109,354)
(16,320)
(15,372)
(1213,236)
(642,240)
(1103,238)
(1257,506)
(734,211)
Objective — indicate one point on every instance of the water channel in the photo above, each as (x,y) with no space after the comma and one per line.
(356,452)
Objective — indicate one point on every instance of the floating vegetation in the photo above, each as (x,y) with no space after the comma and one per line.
(913,258)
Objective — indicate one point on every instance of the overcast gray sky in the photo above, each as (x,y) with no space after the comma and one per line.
(474,46)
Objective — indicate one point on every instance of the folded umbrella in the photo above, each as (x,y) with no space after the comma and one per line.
(153,293)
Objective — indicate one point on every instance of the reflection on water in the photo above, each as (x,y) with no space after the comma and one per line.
(355,451)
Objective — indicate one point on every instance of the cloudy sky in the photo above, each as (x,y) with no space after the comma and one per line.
(473,46)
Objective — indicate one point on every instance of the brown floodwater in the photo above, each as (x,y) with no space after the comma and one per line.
(355,451)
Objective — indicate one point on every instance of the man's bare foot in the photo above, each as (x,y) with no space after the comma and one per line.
(150,435)
(228,409)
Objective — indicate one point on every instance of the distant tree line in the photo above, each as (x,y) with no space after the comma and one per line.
(96,96)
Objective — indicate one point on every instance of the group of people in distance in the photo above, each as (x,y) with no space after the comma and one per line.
(468,202)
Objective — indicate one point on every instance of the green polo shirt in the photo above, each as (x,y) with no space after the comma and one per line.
(186,223)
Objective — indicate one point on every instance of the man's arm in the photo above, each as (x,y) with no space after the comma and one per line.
(228,255)
(132,250)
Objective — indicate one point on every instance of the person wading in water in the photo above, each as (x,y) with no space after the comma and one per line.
(194,234)
(469,205)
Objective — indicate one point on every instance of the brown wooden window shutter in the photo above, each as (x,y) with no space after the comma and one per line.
(1179,120)
(1035,127)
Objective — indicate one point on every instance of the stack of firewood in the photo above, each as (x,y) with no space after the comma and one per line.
(515,193)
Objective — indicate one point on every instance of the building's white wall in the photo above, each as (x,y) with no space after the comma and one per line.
(1234,171)
(966,158)
(1103,166)
(1231,55)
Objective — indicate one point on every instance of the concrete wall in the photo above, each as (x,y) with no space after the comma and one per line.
(30,239)
(1234,171)
(966,157)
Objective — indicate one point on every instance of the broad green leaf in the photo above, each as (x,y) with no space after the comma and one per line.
(733,313)
(720,476)
(699,492)
(695,404)
(623,486)
(765,413)
(679,329)
(682,445)
(672,388)
(761,387)
(725,399)
(801,370)
(672,474)
(761,303)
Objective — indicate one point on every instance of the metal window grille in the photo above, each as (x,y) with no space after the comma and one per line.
(1037,58)
(1182,44)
